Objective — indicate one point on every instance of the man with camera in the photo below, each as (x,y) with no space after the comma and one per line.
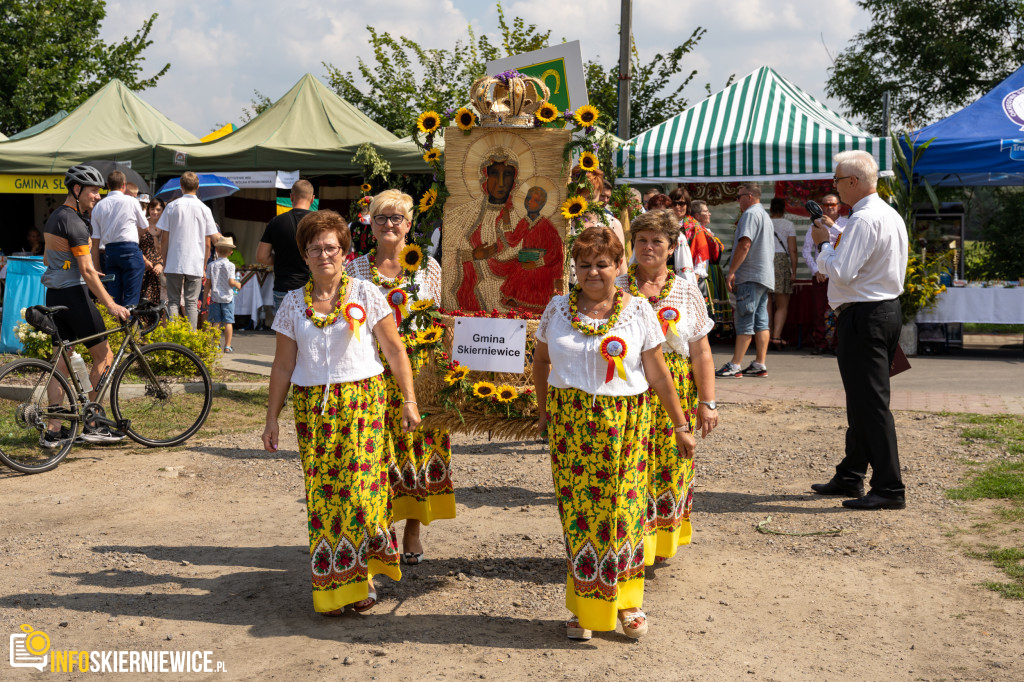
(865,271)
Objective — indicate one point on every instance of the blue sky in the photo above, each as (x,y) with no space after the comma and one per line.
(222,50)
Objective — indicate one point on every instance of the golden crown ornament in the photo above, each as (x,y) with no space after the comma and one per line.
(508,99)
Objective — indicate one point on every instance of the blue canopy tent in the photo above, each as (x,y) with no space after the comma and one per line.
(982,144)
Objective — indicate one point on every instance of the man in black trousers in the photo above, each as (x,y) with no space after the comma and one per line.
(865,270)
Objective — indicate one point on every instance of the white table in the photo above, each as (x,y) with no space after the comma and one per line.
(254,294)
(969,304)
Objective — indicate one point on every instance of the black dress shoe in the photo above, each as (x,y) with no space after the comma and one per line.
(875,501)
(834,488)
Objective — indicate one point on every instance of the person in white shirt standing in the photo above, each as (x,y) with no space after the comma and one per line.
(866,269)
(823,334)
(221,286)
(116,222)
(187,232)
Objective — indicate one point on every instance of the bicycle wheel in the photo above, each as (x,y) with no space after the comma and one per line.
(164,393)
(27,409)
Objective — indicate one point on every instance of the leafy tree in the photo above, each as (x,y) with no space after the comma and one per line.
(932,56)
(51,58)
(1001,254)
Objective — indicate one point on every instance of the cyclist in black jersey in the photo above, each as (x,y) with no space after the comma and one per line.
(69,277)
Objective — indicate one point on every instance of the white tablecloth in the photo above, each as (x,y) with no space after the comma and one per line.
(967,304)
(253,296)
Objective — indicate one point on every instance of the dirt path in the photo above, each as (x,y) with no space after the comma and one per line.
(204,548)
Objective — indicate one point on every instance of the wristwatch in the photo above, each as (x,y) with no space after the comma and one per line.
(822,246)
(710,403)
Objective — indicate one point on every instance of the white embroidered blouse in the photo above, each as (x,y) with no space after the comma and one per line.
(331,354)
(693,322)
(427,279)
(576,360)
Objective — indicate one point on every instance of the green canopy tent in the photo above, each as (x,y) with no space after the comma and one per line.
(310,128)
(41,126)
(113,124)
(760,128)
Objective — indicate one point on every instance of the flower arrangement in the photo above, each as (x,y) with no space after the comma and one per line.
(922,284)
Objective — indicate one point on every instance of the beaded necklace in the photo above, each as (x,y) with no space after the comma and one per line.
(653,300)
(602,329)
(379,279)
(333,315)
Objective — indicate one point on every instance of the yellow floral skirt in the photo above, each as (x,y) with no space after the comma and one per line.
(344,451)
(420,471)
(599,448)
(670,477)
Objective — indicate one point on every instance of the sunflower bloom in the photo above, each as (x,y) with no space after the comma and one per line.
(365,188)
(546,113)
(586,115)
(456,375)
(589,162)
(574,207)
(506,393)
(411,257)
(422,304)
(430,335)
(427,200)
(483,389)
(465,119)
(428,122)
(433,155)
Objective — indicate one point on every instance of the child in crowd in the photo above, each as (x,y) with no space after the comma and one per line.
(220,287)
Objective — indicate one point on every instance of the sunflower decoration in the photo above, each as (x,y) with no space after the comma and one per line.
(428,200)
(506,393)
(428,122)
(456,374)
(484,389)
(366,188)
(366,201)
(432,155)
(546,113)
(411,258)
(588,162)
(574,207)
(430,335)
(465,119)
(586,115)
(421,305)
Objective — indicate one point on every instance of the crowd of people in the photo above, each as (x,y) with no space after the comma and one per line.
(622,366)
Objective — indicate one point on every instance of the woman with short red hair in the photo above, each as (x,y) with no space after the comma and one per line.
(598,350)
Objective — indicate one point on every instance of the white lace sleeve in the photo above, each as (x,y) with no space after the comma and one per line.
(376,305)
(432,285)
(545,319)
(284,320)
(653,336)
(358,268)
(696,314)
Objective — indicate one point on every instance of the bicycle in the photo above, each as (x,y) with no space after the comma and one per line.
(154,389)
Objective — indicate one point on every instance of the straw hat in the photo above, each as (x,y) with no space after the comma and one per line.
(226,242)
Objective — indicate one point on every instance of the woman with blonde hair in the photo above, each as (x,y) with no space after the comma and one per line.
(420,471)
(326,352)
(597,352)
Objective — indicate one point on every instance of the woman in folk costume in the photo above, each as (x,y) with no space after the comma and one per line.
(679,307)
(420,471)
(598,350)
(326,353)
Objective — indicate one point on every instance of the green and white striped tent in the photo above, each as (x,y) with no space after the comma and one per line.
(760,128)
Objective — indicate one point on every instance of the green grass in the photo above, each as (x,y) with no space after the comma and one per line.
(1011,562)
(986,328)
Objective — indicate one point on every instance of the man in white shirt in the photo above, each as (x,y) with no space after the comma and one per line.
(116,222)
(187,232)
(865,269)
(823,334)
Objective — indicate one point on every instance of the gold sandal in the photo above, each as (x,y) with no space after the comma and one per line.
(627,619)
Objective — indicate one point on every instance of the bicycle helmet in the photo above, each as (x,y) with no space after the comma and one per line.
(83,175)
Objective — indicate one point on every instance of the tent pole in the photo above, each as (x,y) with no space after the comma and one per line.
(625,36)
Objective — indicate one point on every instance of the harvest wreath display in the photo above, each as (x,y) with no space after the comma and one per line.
(537,199)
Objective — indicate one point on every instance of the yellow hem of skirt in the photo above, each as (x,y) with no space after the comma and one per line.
(601,615)
(331,600)
(670,540)
(650,543)
(434,508)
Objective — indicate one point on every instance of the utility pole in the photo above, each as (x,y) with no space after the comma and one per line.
(625,36)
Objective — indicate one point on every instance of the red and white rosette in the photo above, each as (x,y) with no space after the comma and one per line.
(397,299)
(355,315)
(613,349)
(668,316)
